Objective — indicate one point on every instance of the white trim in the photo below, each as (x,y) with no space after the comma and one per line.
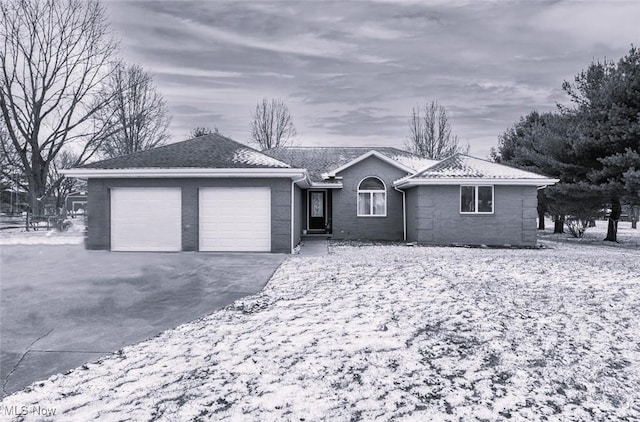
(476,196)
(372,153)
(371,192)
(175,172)
(474,181)
(321,185)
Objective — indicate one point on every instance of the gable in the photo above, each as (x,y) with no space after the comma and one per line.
(366,156)
(461,168)
(320,161)
(371,166)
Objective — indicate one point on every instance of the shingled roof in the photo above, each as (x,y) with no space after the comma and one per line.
(464,166)
(210,151)
(319,160)
(461,168)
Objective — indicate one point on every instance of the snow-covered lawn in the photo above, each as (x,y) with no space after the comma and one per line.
(390,333)
(627,237)
(19,236)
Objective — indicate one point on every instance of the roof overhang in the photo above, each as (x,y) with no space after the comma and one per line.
(320,185)
(372,153)
(188,172)
(408,182)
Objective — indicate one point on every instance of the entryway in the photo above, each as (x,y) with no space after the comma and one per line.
(319,211)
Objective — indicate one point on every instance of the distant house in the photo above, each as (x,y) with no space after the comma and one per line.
(76,203)
(214,194)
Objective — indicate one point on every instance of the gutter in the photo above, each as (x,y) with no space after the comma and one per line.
(404,213)
(475,181)
(181,172)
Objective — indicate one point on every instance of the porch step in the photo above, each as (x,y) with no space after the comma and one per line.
(316,236)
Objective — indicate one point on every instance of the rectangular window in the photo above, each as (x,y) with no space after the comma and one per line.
(467,199)
(372,204)
(379,203)
(364,203)
(485,198)
(476,199)
(317,204)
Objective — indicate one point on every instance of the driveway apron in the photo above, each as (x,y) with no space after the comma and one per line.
(62,306)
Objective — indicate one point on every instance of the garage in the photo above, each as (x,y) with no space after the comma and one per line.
(235,219)
(146,219)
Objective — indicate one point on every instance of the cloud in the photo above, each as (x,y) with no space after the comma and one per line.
(195,72)
(351,71)
(360,122)
(588,24)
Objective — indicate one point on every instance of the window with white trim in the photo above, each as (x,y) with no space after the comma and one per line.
(372,198)
(476,199)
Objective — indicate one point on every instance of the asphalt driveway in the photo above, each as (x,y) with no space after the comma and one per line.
(62,306)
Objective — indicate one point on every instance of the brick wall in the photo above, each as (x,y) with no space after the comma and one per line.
(99,207)
(412,214)
(98,215)
(437,219)
(347,224)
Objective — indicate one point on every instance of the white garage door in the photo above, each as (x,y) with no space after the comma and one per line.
(235,219)
(146,219)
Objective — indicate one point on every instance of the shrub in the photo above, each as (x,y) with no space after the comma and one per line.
(576,226)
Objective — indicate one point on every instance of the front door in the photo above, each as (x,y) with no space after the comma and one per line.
(317,210)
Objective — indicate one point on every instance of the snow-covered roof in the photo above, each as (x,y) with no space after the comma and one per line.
(460,167)
(208,152)
(414,162)
(252,157)
(322,160)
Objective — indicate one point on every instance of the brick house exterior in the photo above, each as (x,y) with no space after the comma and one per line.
(433,217)
(98,235)
(347,224)
(344,193)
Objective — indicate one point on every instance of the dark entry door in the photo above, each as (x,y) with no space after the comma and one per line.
(317,210)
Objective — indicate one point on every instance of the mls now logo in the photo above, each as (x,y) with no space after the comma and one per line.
(26,410)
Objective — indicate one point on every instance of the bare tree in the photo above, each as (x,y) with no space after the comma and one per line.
(135,110)
(54,56)
(11,170)
(62,186)
(430,134)
(272,125)
(199,131)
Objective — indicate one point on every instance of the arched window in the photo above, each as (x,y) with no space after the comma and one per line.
(372,198)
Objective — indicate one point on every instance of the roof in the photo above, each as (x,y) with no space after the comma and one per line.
(211,152)
(321,160)
(460,167)
(218,156)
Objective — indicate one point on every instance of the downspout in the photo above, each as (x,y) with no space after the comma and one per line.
(293,209)
(404,213)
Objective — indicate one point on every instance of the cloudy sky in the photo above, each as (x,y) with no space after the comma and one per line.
(351,71)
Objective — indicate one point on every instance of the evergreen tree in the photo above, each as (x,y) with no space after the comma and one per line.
(543,143)
(607,95)
(593,148)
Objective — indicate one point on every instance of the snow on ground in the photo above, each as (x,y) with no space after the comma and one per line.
(389,333)
(627,237)
(19,236)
